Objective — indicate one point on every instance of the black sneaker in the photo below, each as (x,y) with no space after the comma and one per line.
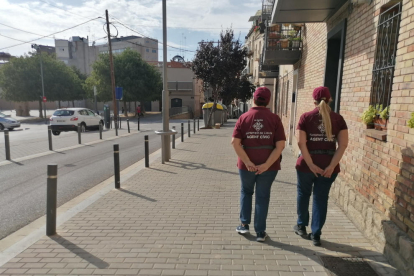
(300,230)
(316,240)
(261,237)
(243,229)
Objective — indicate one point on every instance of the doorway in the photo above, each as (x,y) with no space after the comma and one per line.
(334,63)
(176,102)
(292,128)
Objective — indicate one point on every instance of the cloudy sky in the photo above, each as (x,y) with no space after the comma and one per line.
(189,22)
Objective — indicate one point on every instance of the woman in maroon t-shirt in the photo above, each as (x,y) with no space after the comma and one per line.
(319,132)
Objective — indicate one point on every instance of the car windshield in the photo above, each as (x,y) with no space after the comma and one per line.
(2,115)
(63,113)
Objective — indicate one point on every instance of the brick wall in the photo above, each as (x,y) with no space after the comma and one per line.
(376,185)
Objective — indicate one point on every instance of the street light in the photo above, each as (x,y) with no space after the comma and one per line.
(37,48)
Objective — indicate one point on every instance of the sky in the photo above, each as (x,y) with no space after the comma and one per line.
(189,22)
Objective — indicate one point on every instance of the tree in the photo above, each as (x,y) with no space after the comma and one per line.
(240,88)
(139,80)
(20,80)
(220,66)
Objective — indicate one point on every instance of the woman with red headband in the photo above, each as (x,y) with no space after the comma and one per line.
(320,130)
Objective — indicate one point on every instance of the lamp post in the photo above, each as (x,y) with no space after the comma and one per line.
(166,152)
(37,48)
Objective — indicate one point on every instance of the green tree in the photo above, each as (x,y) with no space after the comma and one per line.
(139,80)
(20,80)
(220,65)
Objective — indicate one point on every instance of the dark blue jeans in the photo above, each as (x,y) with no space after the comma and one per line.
(321,186)
(263,184)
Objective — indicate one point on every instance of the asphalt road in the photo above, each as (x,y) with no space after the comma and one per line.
(23,185)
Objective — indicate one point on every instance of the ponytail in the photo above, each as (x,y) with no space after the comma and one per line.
(325,110)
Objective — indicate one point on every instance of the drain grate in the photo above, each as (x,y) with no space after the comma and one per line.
(338,266)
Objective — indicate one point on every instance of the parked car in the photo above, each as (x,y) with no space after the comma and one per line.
(67,119)
(7,122)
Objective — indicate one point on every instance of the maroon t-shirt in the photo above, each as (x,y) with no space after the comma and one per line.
(311,123)
(257,128)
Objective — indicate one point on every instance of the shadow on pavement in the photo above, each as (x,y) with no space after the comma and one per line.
(99,263)
(194,166)
(137,195)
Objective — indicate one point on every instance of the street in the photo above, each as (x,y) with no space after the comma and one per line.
(23,184)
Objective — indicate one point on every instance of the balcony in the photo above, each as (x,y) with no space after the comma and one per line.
(180,86)
(304,11)
(283,45)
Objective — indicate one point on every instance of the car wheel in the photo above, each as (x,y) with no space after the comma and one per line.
(1,127)
(10,128)
(83,127)
(56,133)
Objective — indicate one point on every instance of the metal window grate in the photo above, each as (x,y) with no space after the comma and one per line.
(338,266)
(387,39)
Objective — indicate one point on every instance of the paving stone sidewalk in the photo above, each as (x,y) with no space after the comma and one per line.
(180,219)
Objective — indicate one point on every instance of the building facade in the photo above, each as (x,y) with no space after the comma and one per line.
(364,52)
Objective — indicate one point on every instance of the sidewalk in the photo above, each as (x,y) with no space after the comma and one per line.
(180,219)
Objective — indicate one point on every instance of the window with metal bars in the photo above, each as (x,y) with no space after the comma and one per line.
(384,63)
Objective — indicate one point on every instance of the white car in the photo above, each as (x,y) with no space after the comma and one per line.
(67,119)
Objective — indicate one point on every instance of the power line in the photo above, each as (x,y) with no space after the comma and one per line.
(151,38)
(20,29)
(50,34)
(177,27)
(11,38)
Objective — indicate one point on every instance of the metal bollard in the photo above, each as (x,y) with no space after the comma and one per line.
(146,152)
(182,132)
(49,136)
(116,167)
(116,126)
(120,122)
(110,121)
(79,134)
(189,129)
(198,124)
(7,144)
(51,199)
(129,131)
(194,131)
(100,131)
(138,122)
(173,139)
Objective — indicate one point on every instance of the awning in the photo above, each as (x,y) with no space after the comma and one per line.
(304,11)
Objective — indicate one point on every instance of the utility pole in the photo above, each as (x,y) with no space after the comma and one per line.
(166,152)
(111,62)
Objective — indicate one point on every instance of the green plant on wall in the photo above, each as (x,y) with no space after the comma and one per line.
(411,121)
(369,115)
(384,114)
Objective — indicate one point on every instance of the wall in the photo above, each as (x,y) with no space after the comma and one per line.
(375,188)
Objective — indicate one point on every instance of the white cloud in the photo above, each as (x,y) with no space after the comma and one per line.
(145,16)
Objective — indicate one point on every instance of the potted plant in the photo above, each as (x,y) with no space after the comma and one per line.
(274,28)
(368,116)
(411,121)
(382,115)
(295,42)
(297,27)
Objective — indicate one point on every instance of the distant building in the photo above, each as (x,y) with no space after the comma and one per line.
(147,47)
(183,87)
(76,52)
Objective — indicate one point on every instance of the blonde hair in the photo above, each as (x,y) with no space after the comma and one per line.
(325,110)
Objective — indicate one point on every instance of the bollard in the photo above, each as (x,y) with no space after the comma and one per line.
(138,122)
(189,129)
(7,144)
(100,131)
(194,131)
(120,122)
(79,134)
(129,131)
(198,124)
(146,152)
(111,122)
(116,126)
(182,132)
(49,136)
(173,139)
(116,167)
(51,199)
